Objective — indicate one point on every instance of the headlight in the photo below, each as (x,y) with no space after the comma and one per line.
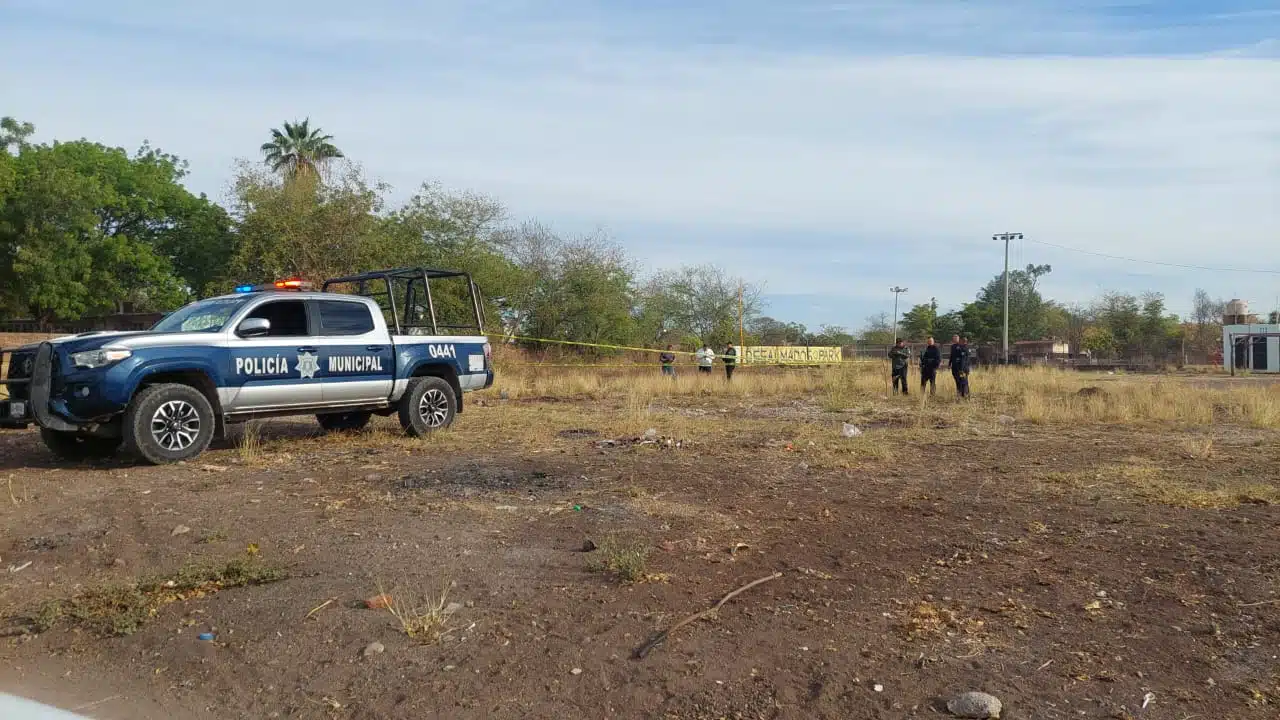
(99,358)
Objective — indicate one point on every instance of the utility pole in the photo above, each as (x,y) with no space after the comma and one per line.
(896,292)
(742,338)
(1006,237)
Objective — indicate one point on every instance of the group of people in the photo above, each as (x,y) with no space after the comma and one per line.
(706,358)
(930,361)
(899,356)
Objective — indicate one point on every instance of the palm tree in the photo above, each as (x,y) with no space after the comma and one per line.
(299,150)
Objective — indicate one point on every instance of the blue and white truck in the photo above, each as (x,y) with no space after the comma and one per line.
(366,344)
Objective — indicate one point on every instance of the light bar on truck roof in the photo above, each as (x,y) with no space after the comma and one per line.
(291,284)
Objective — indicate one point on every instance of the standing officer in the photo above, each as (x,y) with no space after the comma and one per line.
(900,359)
(930,359)
(960,365)
(730,361)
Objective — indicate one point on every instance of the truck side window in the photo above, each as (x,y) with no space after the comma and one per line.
(288,317)
(344,318)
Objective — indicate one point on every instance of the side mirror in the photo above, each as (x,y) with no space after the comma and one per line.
(254,327)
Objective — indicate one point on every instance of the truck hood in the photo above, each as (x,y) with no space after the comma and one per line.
(102,338)
(85,339)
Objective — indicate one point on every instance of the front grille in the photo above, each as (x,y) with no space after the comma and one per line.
(19,368)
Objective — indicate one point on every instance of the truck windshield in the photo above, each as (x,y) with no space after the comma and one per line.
(203,316)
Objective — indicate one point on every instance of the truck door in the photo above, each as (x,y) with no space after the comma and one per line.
(279,369)
(357,359)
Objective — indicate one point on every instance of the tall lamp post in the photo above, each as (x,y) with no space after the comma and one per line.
(896,292)
(1006,237)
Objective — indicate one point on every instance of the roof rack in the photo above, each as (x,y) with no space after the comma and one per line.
(404,273)
(409,274)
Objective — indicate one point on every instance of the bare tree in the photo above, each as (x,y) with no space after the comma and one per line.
(700,301)
(1206,313)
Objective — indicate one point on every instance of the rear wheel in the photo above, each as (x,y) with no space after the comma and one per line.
(70,446)
(348,421)
(429,404)
(168,423)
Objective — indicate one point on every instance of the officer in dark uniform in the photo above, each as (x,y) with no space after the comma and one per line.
(730,361)
(959,361)
(900,359)
(930,359)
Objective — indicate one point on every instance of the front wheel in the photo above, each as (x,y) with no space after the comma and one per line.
(347,421)
(168,423)
(429,404)
(70,446)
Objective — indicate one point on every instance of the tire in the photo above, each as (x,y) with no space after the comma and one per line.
(168,423)
(429,404)
(70,446)
(348,421)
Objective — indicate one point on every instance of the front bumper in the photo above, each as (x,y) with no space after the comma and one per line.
(56,396)
(15,408)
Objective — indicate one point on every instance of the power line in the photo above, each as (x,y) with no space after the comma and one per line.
(1155,262)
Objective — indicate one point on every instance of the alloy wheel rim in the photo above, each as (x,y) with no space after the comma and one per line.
(433,408)
(175,425)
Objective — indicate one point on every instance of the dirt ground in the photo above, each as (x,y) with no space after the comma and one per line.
(1072,571)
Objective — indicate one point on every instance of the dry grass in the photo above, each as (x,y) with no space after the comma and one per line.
(1196,447)
(928,620)
(1038,394)
(424,617)
(625,558)
(123,609)
(1154,482)
(250,446)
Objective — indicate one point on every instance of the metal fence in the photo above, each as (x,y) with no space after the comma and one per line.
(121,321)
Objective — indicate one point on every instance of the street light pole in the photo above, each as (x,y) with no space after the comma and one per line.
(1006,237)
(896,292)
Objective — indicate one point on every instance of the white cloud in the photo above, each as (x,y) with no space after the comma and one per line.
(1169,157)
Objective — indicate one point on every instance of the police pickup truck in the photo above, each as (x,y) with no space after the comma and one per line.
(365,344)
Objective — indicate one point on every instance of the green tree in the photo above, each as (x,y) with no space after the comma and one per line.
(82,228)
(699,302)
(946,326)
(1099,341)
(1159,331)
(456,231)
(288,229)
(984,318)
(579,289)
(14,134)
(299,150)
(199,245)
(1066,322)
(767,331)
(1120,314)
(830,335)
(918,322)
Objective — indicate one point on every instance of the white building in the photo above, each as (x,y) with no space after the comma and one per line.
(1254,347)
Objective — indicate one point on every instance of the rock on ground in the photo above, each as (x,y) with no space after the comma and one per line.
(974,705)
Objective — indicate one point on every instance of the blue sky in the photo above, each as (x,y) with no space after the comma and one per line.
(827,150)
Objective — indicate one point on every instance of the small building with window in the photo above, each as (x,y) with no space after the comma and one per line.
(1040,350)
(1248,345)
(1252,347)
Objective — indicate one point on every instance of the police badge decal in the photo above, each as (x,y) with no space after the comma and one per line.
(308,365)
